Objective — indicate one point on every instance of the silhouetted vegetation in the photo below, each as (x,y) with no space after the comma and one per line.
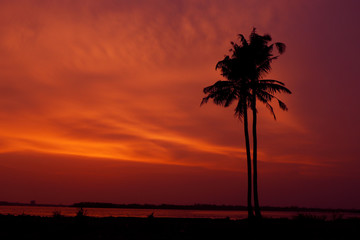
(57,214)
(81,213)
(32,227)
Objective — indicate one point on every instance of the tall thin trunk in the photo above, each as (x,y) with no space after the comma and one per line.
(248,156)
(256,197)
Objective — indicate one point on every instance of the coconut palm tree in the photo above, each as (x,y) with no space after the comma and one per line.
(260,55)
(244,71)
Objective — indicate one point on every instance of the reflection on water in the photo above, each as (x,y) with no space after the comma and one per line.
(171,213)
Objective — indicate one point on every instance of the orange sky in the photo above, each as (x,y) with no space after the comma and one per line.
(100,101)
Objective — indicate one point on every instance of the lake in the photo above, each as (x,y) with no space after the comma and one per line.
(164,213)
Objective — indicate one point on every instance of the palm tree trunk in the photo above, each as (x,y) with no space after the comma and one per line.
(248,156)
(256,197)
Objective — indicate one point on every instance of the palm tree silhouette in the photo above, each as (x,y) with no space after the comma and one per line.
(244,71)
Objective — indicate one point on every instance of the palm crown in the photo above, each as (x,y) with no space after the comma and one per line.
(244,70)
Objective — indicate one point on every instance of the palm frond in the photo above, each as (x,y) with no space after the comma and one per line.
(239,110)
(264,96)
(265,66)
(253,35)
(243,40)
(271,81)
(204,100)
(271,109)
(222,93)
(222,63)
(282,105)
(281,47)
(266,38)
(273,87)
(242,105)
(231,96)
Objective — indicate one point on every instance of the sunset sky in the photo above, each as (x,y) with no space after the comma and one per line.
(100,101)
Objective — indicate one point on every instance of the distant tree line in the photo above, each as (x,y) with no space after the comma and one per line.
(181,207)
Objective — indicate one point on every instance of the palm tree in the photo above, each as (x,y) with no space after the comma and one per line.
(244,72)
(260,57)
(224,93)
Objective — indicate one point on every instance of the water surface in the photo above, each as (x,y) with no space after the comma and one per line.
(171,213)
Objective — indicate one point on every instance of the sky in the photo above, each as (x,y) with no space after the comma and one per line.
(100,101)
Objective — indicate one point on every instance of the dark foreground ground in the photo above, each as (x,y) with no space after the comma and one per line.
(31,227)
